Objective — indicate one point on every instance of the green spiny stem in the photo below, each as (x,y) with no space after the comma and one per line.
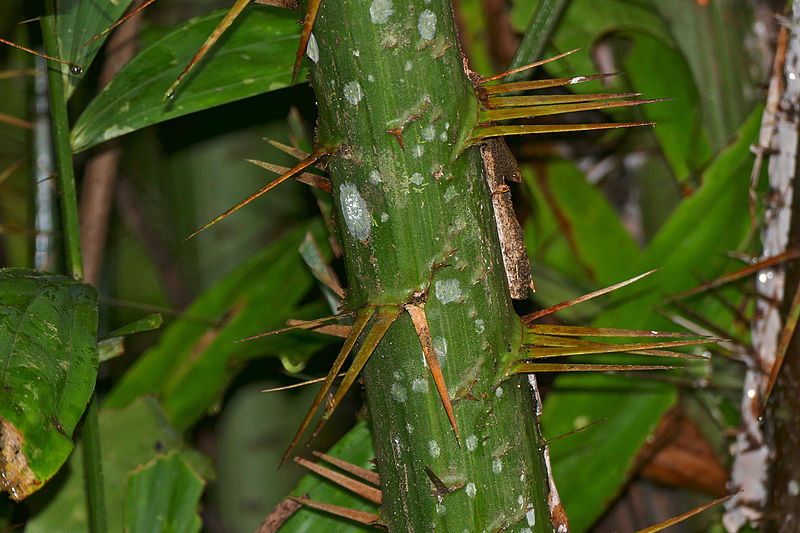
(416,224)
(72,246)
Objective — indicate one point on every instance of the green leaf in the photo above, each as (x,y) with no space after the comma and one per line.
(48,352)
(355,448)
(574,224)
(680,130)
(77,22)
(717,42)
(131,439)
(194,359)
(146,323)
(163,497)
(582,24)
(694,241)
(255,56)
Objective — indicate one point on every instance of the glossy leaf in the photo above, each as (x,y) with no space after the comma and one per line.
(573,224)
(136,436)
(48,352)
(78,22)
(680,131)
(356,448)
(163,498)
(194,359)
(254,57)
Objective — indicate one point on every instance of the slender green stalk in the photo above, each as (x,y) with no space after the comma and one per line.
(98,522)
(66,173)
(416,223)
(72,246)
(539,31)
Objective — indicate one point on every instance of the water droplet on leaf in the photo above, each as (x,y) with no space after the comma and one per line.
(76,69)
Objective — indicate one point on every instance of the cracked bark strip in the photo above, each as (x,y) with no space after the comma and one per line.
(751,452)
(500,165)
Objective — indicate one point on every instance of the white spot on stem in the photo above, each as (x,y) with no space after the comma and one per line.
(530,516)
(417,179)
(420,385)
(418,150)
(440,349)
(472,443)
(470,489)
(498,392)
(352,92)
(312,50)
(380,11)
(429,132)
(450,193)
(497,465)
(355,212)
(479,326)
(447,290)
(433,449)
(398,392)
(426,24)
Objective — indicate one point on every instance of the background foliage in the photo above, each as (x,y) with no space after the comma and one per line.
(596,210)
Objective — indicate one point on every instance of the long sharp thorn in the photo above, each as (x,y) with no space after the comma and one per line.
(383,319)
(14,121)
(362,317)
(526,67)
(74,67)
(362,517)
(583,345)
(550,99)
(598,348)
(417,314)
(535,368)
(672,521)
(305,35)
(546,110)
(362,489)
(542,84)
(310,160)
(117,23)
(563,305)
(334,330)
(484,132)
(285,148)
(320,182)
(555,329)
(301,324)
(296,385)
(363,473)
(786,336)
(742,272)
(548,442)
(215,35)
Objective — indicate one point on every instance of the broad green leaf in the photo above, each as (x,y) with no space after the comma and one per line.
(130,440)
(48,353)
(694,241)
(572,217)
(255,56)
(718,42)
(680,130)
(77,22)
(194,359)
(163,498)
(355,448)
(582,24)
(249,448)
